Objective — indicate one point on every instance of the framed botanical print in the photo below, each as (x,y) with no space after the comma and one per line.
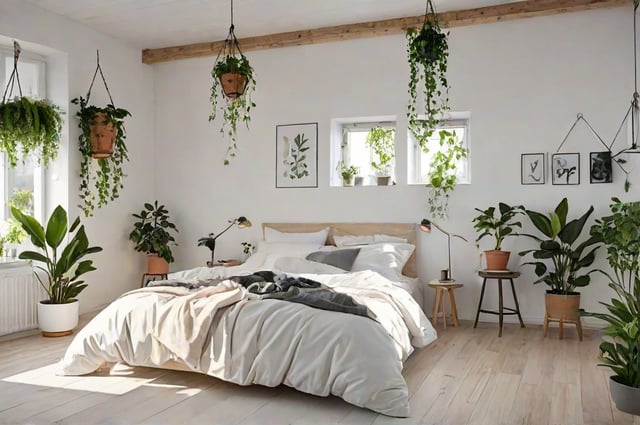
(565,168)
(532,168)
(297,155)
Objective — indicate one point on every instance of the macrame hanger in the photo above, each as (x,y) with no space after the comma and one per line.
(430,9)
(99,69)
(579,118)
(14,75)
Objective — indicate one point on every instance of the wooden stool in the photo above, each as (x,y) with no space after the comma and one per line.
(439,303)
(148,277)
(499,275)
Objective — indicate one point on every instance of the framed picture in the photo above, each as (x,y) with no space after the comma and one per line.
(565,168)
(600,167)
(297,155)
(532,168)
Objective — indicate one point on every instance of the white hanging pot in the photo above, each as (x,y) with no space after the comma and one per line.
(57,319)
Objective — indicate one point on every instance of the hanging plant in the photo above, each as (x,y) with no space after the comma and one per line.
(442,172)
(428,52)
(233,80)
(102,138)
(28,125)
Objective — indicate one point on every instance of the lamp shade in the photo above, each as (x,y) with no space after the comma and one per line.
(243,222)
(425,225)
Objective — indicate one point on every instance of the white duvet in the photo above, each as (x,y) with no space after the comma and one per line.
(222,332)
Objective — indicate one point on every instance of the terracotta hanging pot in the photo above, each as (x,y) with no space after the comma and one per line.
(103,136)
(233,84)
(497,260)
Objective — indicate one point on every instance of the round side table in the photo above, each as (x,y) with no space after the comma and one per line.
(439,304)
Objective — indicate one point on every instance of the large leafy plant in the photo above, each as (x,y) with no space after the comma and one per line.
(236,109)
(102,182)
(152,233)
(62,269)
(560,246)
(442,176)
(487,223)
(620,233)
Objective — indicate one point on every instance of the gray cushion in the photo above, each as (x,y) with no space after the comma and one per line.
(341,258)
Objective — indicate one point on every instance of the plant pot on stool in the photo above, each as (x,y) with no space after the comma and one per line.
(497,260)
(157,264)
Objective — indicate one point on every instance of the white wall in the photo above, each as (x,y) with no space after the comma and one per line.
(523,81)
(72,63)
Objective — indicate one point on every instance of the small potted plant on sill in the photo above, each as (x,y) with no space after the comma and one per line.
(152,235)
(102,137)
(382,141)
(58,315)
(568,259)
(487,223)
(233,78)
(348,173)
(620,351)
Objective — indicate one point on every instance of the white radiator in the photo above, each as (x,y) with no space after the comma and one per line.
(20,293)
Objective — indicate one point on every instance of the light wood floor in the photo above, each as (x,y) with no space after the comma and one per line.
(469,376)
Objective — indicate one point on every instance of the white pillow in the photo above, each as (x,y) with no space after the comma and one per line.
(350,240)
(387,259)
(300,265)
(379,238)
(272,251)
(273,235)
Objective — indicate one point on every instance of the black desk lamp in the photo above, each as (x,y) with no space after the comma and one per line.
(425,226)
(210,241)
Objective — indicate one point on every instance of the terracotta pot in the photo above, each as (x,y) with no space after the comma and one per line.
(233,84)
(383,180)
(348,182)
(157,265)
(497,260)
(562,307)
(103,136)
(57,319)
(627,398)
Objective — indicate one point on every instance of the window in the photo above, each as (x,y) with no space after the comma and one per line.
(355,150)
(419,161)
(21,186)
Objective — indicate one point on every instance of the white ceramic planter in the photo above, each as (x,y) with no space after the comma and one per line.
(626,398)
(58,319)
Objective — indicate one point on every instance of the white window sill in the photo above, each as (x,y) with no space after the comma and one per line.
(12,263)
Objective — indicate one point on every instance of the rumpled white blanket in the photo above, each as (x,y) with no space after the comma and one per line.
(220,331)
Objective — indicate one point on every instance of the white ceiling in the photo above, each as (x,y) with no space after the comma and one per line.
(165,23)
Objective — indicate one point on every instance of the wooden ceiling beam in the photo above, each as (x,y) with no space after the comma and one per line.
(481,15)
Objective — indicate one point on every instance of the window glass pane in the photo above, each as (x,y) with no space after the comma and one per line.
(356,151)
(29,73)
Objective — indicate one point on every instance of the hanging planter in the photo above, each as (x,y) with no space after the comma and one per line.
(233,79)
(428,53)
(28,125)
(102,138)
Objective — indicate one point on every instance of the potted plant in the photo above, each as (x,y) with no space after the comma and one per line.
(620,351)
(233,78)
(58,315)
(568,257)
(428,54)
(487,223)
(102,137)
(382,142)
(247,249)
(152,236)
(348,173)
(442,176)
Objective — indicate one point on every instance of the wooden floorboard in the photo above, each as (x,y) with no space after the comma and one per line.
(468,376)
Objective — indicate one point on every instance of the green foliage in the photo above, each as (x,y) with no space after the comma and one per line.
(488,224)
(428,54)
(297,167)
(560,247)
(101,184)
(235,110)
(151,233)
(30,125)
(442,172)
(382,142)
(15,234)
(63,269)
(347,171)
(22,200)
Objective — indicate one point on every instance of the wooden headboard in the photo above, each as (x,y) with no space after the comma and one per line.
(401,230)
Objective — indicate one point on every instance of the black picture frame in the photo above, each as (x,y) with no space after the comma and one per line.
(600,167)
(565,169)
(533,168)
(297,155)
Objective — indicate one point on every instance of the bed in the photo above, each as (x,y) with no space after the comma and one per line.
(200,320)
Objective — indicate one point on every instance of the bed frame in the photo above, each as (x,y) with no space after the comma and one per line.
(401,230)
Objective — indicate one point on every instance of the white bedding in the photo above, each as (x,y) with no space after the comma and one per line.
(222,332)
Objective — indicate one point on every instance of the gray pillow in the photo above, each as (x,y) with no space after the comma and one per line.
(341,258)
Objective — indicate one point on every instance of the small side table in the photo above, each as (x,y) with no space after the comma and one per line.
(148,277)
(439,303)
(499,276)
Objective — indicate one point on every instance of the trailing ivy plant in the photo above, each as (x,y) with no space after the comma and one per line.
(30,125)
(237,109)
(428,53)
(442,175)
(382,142)
(102,183)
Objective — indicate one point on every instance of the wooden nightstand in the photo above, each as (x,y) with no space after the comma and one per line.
(441,287)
